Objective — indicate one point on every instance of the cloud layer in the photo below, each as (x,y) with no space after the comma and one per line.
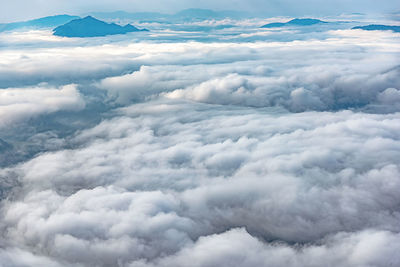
(18,104)
(222,153)
(166,187)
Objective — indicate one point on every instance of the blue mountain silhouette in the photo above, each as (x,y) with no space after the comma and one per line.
(91,27)
(197,13)
(129,16)
(294,22)
(192,14)
(374,27)
(46,22)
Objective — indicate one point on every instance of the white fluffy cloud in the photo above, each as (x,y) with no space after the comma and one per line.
(238,248)
(202,153)
(160,181)
(265,75)
(18,104)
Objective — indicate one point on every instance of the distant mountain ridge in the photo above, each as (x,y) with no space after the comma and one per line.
(92,27)
(375,27)
(127,15)
(191,14)
(184,15)
(294,22)
(45,22)
(198,13)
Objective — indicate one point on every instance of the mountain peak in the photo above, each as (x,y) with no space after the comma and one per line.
(45,22)
(89,18)
(92,27)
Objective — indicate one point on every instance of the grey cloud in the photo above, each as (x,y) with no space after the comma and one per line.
(324,82)
(104,225)
(254,170)
(237,248)
(14,257)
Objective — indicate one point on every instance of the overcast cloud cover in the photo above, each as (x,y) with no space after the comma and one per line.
(234,146)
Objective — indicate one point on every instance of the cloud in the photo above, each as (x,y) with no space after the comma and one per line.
(390,96)
(171,178)
(105,224)
(324,82)
(14,257)
(17,104)
(221,153)
(238,248)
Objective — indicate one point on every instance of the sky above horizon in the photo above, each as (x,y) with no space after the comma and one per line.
(12,11)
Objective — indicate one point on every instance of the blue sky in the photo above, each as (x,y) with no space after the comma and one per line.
(12,11)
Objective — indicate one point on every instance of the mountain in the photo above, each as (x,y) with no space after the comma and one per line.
(378,28)
(46,22)
(294,22)
(123,15)
(204,14)
(197,13)
(91,27)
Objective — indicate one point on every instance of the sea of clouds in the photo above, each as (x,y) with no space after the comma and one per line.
(235,147)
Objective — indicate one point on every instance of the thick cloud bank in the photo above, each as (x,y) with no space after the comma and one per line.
(197,153)
(17,104)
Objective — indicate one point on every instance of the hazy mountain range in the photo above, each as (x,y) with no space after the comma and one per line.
(294,22)
(184,15)
(191,14)
(46,22)
(374,27)
(91,25)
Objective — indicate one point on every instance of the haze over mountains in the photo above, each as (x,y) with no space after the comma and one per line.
(184,15)
(45,22)
(191,14)
(92,26)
